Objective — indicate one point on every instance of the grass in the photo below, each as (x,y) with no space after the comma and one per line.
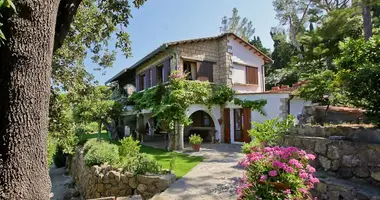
(183,163)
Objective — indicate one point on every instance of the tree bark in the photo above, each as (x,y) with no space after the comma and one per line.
(99,130)
(367,21)
(25,71)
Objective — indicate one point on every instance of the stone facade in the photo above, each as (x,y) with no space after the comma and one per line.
(157,60)
(105,181)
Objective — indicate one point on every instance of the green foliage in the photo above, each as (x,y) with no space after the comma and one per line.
(268,132)
(172,163)
(222,94)
(140,164)
(320,84)
(52,148)
(359,72)
(256,41)
(253,105)
(129,147)
(195,139)
(97,153)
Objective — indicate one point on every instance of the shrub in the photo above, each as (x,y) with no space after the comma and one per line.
(98,153)
(359,72)
(140,164)
(277,173)
(195,139)
(129,147)
(52,148)
(90,144)
(268,132)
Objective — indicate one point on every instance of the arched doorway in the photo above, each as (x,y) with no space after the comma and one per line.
(203,125)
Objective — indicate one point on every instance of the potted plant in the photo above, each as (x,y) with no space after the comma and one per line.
(196,141)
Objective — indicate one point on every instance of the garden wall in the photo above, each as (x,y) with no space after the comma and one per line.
(335,115)
(103,181)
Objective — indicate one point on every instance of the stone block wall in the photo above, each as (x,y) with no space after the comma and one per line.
(104,181)
(335,115)
(342,159)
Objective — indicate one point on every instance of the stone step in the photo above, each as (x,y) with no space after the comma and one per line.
(333,188)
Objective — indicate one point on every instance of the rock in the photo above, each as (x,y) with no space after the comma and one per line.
(321,147)
(70,193)
(361,172)
(106,179)
(350,161)
(321,187)
(133,182)
(108,186)
(147,180)
(376,175)
(347,148)
(333,152)
(100,178)
(115,175)
(333,195)
(335,165)
(128,174)
(344,173)
(124,178)
(141,188)
(100,187)
(325,162)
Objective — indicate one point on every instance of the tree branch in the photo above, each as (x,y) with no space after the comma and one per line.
(66,12)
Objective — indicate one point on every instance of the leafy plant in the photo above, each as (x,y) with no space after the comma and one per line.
(253,105)
(52,148)
(195,139)
(98,153)
(140,164)
(359,72)
(277,173)
(129,147)
(268,132)
(222,94)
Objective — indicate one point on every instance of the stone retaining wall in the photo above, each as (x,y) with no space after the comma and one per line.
(343,159)
(104,181)
(335,115)
(357,133)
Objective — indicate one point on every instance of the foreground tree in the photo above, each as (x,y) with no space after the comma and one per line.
(38,28)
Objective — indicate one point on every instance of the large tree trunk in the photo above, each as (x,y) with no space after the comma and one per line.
(25,70)
(367,20)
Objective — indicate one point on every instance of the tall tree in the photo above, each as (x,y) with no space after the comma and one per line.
(32,34)
(294,14)
(256,41)
(242,27)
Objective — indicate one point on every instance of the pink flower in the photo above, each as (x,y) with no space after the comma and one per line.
(310,169)
(303,190)
(288,169)
(287,191)
(273,173)
(278,164)
(303,175)
(263,178)
(310,156)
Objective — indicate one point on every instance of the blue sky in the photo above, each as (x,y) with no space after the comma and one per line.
(160,21)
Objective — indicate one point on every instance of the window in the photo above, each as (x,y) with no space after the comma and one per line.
(252,75)
(205,71)
(189,69)
(159,73)
(142,79)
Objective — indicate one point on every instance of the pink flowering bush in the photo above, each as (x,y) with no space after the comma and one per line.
(277,173)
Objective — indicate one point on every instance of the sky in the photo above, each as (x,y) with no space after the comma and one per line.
(160,21)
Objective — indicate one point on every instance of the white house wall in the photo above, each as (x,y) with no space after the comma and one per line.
(241,56)
(272,108)
(296,106)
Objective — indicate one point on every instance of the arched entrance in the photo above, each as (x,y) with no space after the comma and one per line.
(203,125)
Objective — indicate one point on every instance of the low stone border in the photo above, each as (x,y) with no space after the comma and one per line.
(105,181)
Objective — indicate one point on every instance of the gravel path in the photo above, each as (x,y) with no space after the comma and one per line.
(214,178)
(59,183)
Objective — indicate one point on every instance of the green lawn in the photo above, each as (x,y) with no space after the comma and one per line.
(183,162)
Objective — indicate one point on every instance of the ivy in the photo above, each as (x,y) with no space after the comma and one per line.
(170,101)
(253,105)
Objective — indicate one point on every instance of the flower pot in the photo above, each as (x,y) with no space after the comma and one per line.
(279,186)
(196,147)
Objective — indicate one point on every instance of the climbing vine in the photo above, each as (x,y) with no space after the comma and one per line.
(170,101)
(253,105)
